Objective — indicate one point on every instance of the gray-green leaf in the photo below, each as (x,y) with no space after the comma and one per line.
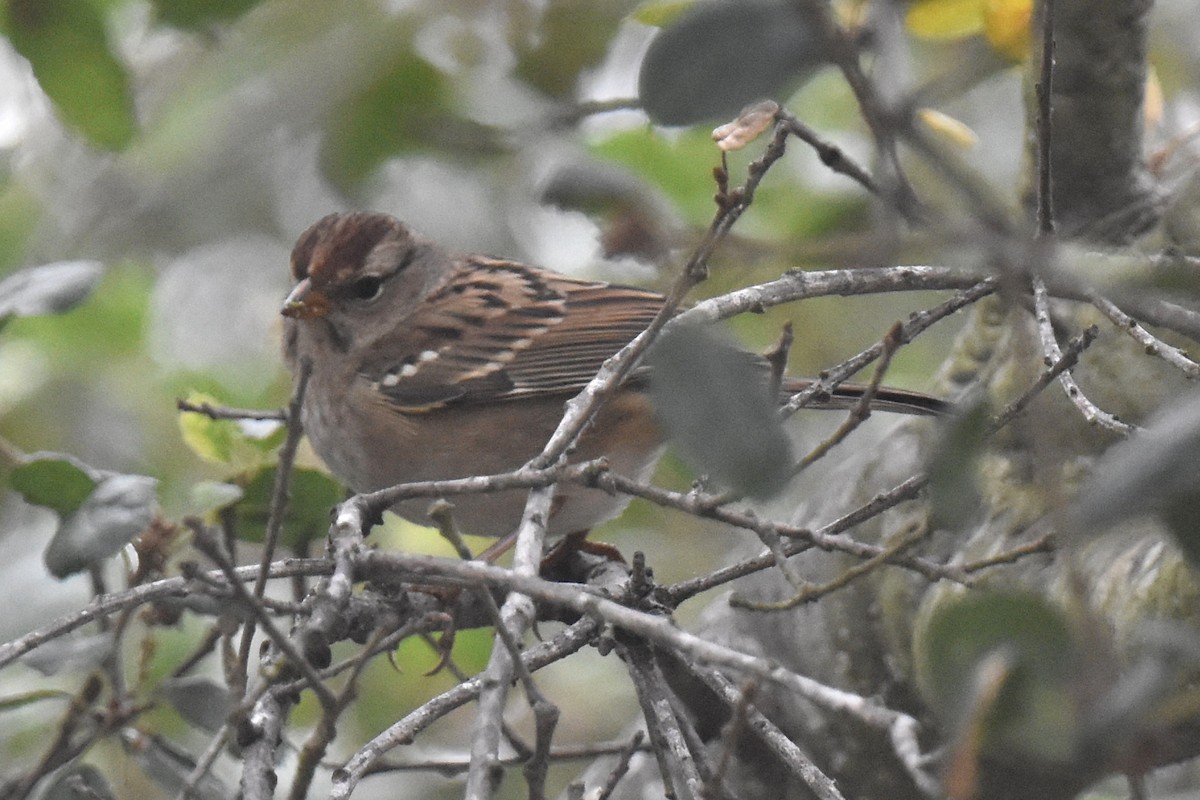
(120,507)
(718,57)
(714,402)
(48,289)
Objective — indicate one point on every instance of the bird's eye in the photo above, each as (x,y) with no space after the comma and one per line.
(367,287)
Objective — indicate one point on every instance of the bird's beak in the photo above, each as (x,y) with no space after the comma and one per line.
(305,302)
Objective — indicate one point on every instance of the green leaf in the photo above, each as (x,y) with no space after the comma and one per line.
(102,336)
(67,45)
(572,35)
(407,107)
(55,481)
(668,163)
(200,14)
(48,289)
(1003,662)
(718,57)
(953,466)
(713,400)
(313,496)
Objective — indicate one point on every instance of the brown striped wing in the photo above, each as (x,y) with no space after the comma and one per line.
(500,330)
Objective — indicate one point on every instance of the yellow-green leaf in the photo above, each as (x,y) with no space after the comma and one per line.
(659,13)
(1006,26)
(945,19)
(211,439)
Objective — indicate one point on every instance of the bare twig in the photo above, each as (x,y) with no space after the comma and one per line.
(809,593)
(913,326)
(203,764)
(800,285)
(1068,359)
(1091,412)
(405,730)
(545,712)
(830,154)
(559,753)
(140,595)
(225,412)
(1042,544)
(209,544)
(621,767)
(279,500)
(658,630)
(515,618)
(828,537)
(676,762)
(784,748)
(731,205)
(862,409)
(731,733)
(1150,343)
(777,357)
(1045,124)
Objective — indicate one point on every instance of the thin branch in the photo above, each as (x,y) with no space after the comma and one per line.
(730,206)
(799,284)
(796,761)
(204,765)
(225,412)
(1066,360)
(404,731)
(830,154)
(1091,412)
(515,618)
(657,629)
(861,410)
(1045,125)
(621,767)
(810,593)
(278,508)
(559,753)
(1043,544)
(1150,343)
(676,763)
(828,537)
(917,323)
(166,588)
(209,544)
(730,737)
(545,712)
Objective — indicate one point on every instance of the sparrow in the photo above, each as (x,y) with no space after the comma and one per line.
(428,364)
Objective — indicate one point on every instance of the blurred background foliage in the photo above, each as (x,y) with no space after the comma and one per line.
(184,144)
